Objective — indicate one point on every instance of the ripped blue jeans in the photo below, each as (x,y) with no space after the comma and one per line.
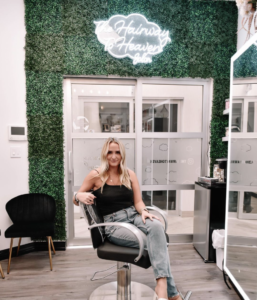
(155,241)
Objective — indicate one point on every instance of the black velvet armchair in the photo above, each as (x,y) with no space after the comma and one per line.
(32,216)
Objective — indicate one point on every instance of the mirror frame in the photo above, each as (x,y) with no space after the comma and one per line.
(249,43)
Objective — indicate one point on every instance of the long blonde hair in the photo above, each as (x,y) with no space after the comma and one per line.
(123,170)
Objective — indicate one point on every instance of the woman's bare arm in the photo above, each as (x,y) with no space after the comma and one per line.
(138,202)
(87,185)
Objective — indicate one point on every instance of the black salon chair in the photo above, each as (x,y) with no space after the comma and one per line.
(123,289)
(32,216)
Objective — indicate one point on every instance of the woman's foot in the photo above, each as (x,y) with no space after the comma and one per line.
(177,297)
(161,288)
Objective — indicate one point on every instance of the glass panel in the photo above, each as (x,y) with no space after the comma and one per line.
(233,199)
(236,125)
(147,197)
(86,156)
(179,222)
(160,118)
(243,169)
(101,108)
(167,161)
(250,203)
(252,112)
(160,199)
(171,200)
(191,99)
(155,161)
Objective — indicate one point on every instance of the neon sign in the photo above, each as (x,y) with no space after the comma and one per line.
(132,36)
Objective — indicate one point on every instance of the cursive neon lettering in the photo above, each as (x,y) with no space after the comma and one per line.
(132,36)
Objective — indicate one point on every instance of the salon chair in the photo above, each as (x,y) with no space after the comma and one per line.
(32,216)
(2,272)
(123,289)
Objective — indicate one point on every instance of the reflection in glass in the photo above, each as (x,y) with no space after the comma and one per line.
(147,197)
(171,161)
(160,199)
(171,200)
(252,111)
(102,108)
(233,199)
(243,169)
(250,203)
(236,125)
(241,241)
(189,100)
(160,118)
(106,117)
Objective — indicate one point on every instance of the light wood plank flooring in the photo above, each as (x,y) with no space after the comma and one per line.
(176,225)
(31,279)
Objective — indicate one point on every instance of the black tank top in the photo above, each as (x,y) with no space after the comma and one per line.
(113,198)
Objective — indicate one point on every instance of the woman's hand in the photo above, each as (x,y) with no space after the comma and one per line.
(86,198)
(146,215)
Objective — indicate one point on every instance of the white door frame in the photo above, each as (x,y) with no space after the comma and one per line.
(139,135)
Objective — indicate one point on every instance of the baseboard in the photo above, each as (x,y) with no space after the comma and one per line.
(180,238)
(185,214)
(24,249)
(31,247)
(58,245)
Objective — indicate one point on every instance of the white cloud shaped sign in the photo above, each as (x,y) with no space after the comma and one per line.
(132,36)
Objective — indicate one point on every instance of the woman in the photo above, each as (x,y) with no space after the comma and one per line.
(117,194)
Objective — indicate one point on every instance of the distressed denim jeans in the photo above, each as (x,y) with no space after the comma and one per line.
(154,240)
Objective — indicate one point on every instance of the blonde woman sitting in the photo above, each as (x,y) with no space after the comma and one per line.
(117,194)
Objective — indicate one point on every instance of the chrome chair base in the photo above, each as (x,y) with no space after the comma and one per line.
(109,292)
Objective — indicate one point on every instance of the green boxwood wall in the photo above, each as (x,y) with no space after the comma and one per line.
(61,40)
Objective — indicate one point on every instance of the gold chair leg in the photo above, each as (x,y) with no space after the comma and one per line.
(50,252)
(2,272)
(52,244)
(10,256)
(18,249)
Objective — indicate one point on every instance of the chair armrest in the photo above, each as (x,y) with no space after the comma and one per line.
(161,212)
(132,228)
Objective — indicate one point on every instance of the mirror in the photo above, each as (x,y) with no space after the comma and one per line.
(241,218)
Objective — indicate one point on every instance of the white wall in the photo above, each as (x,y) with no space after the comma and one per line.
(14,171)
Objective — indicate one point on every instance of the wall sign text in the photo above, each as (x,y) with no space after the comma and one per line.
(132,36)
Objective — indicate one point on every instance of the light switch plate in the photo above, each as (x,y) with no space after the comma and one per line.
(15,152)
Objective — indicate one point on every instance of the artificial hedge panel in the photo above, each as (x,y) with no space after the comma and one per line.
(42,142)
(44,94)
(61,40)
(82,56)
(44,52)
(246,64)
(43,16)
(46,175)
(79,16)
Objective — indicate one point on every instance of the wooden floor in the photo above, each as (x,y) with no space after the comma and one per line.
(31,279)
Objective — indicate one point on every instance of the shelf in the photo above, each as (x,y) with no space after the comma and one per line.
(225,139)
(226,112)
